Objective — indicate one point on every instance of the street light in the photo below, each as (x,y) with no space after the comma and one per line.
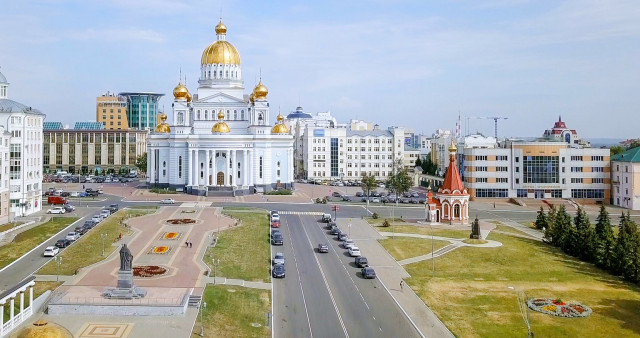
(215,263)
(58,260)
(203,305)
(521,298)
(104,237)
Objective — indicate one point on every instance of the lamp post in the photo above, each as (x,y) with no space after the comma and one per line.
(521,299)
(58,260)
(104,237)
(203,305)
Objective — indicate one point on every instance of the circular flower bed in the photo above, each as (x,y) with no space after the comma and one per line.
(148,271)
(161,249)
(559,308)
(171,235)
(181,221)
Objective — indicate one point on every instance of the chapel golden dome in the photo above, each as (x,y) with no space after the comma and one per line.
(181,92)
(43,329)
(221,28)
(220,51)
(163,127)
(280,127)
(452,147)
(220,126)
(260,91)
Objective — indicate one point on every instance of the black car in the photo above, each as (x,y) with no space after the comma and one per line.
(336,194)
(335,230)
(114,206)
(368,273)
(89,224)
(63,243)
(331,224)
(362,262)
(277,239)
(323,248)
(277,271)
(342,237)
(359,194)
(347,198)
(274,232)
(81,230)
(69,207)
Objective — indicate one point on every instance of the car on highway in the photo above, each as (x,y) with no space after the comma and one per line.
(168,201)
(277,239)
(275,218)
(81,230)
(368,272)
(331,224)
(323,248)
(89,224)
(343,237)
(114,207)
(51,251)
(105,213)
(348,243)
(273,212)
(63,243)
(361,262)
(56,210)
(278,259)
(335,230)
(326,218)
(275,224)
(96,218)
(273,232)
(354,251)
(72,236)
(278,271)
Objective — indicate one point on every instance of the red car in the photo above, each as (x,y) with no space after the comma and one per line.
(275,224)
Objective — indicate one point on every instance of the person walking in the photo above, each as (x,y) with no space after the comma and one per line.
(402,285)
(186,243)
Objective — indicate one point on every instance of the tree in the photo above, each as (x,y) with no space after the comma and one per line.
(551,221)
(626,250)
(428,167)
(584,243)
(604,240)
(141,163)
(418,162)
(541,220)
(615,150)
(368,184)
(399,181)
(561,228)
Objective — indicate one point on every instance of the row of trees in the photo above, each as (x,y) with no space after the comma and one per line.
(618,253)
(399,182)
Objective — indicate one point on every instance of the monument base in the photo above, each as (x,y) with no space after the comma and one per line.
(121,293)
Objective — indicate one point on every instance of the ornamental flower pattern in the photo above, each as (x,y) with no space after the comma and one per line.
(171,235)
(148,271)
(559,308)
(161,250)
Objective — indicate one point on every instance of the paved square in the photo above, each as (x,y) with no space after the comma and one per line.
(105,330)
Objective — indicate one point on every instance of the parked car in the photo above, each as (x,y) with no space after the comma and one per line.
(374,199)
(168,201)
(72,236)
(343,237)
(51,251)
(56,200)
(336,194)
(335,230)
(348,243)
(275,217)
(68,207)
(278,259)
(347,198)
(326,218)
(354,251)
(368,273)
(275,231)
(359,194)
(275,224)
(331,224)
(361,262)
(65,194)
(100,191)
(63,243)
(56,210)
(323,248)
(277,239)
(278,271)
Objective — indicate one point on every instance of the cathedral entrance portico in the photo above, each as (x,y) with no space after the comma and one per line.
(220,178)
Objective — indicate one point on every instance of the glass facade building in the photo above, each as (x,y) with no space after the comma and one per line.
(142,109)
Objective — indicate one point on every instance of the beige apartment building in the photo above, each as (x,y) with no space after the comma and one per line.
(83,151)
(111,110)
(625,175)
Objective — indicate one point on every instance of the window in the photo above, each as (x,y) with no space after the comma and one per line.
(180,166)
(502,180)
(260,167)
(481,168)
(492,193)
(598,169)
(501,158)
(481,180)
(502,169)
(597,158)
(576,169)
(481,158)
(522,193)
(540,169)
(576,158)
(587,193)
(597,180)
(576,180)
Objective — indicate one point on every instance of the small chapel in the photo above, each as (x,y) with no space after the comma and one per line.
(451,202)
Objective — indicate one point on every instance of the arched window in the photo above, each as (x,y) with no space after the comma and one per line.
(198,115)
(228,115)
(456,211)
(206,114)
(209,73)
(179,166)
(235,114)
(242,114)
(180,118)
(227,73)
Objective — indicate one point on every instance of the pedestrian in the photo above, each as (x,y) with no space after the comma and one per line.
(83,186)
(186,243)
(190,244)
(401,285)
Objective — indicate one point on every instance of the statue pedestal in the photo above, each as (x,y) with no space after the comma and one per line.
(125,279)
(125,288)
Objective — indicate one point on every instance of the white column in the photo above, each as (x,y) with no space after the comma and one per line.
(21,305)
(13,303)
(197,152)
(250,166)
(30,298)
(190,166)
(245,164)
(215,172)
(234,160)
(1,319)
(206,167)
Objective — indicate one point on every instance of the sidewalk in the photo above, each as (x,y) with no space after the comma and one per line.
(390,273)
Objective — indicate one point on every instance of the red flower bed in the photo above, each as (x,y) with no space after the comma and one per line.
(181,221)
(148,271)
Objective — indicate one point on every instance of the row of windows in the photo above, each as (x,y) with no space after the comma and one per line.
(375,141)
(213,116)
(375,165)
(587,193)
(495,193)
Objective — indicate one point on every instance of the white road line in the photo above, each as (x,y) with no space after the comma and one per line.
(326,283)
(304,301)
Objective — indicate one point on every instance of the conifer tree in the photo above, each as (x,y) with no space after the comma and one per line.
(624,249)
(605,240)
(551,221)
(541,220)
(584,237)
(561,228)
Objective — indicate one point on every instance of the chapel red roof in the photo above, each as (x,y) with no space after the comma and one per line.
(452,180)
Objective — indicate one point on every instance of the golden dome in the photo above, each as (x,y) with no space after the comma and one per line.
(163,127)
(260,91)
(280,127)
(220,52)
(221,28)
(181,92)
(452,147)
(42,329)
(220,126)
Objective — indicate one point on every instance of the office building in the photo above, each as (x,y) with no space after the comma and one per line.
(625,177)
(111,111)
(141,109)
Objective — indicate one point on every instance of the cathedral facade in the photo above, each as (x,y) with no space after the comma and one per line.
(220,138)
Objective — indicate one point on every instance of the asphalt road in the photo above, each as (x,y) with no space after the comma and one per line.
(324,294)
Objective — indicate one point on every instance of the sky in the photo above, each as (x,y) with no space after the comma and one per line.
(412,63)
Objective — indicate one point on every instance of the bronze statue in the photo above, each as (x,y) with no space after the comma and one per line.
(126,258)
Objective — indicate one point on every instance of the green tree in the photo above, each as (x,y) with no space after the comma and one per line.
(399,182)
(615,150)
(141,163)
(368,184)
(627,260)
(561,228)
(541,220)
(604,240)
(428,167)
(584,242)
(551,221)
(418,162)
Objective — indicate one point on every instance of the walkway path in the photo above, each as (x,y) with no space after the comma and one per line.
(238,282)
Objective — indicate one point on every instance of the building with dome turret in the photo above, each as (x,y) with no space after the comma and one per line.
(219,138)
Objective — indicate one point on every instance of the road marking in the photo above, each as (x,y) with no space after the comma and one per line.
(293,251)
(324,278)
(316,213)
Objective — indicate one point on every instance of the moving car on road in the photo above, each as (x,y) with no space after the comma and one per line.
(63,243)
(277,239)
(278,271)
(354,251)
(51,251)
(56,210)
(348,243)
(368,273)
(72,236)
(275,231)
(323,248)
(278,259)
(326,218)
(362,262)
(69,207)
(168,201)
(343,237)
(275,224)
(335,230)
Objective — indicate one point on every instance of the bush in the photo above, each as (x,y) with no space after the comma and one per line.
(375,215)
(279,192)
(321,200)
(386,223)
(162,191)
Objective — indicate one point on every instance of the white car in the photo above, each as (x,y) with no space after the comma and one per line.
(354,251)
(56,210)
(105,213)
(74,194)
(168,201)
(96,218)
(348,243)
(107,180)
(72,236)
(275,218)
(278,259)
(100,191)
(51,251)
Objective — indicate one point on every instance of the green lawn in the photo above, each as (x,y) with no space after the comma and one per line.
(511,230)
(10,225)
(470,291)
(234,311)
(426,230)
(244,251)
(27,240)
(88,249)
(406,247)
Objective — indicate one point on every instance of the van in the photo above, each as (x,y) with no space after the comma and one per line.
(326,218)
(56,200)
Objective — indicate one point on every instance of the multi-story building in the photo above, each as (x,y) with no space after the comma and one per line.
(411,154)
(111,110)
(24,124)
(625,177)
(560,132)
(82,150)
(5,139)
(425,146)
(141,109)
(341,153)
(440,142)
(540,169)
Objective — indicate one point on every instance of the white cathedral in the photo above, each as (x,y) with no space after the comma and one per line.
(220,139)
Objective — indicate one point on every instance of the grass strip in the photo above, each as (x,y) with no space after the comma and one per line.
(406,247)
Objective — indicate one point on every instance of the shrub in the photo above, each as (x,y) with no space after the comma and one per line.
(279,192)
(386,223)
(375,215)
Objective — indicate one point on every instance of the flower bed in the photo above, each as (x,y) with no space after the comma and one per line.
(160,250)
(148,271)
(559,308)
(171,235)
(181,221)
